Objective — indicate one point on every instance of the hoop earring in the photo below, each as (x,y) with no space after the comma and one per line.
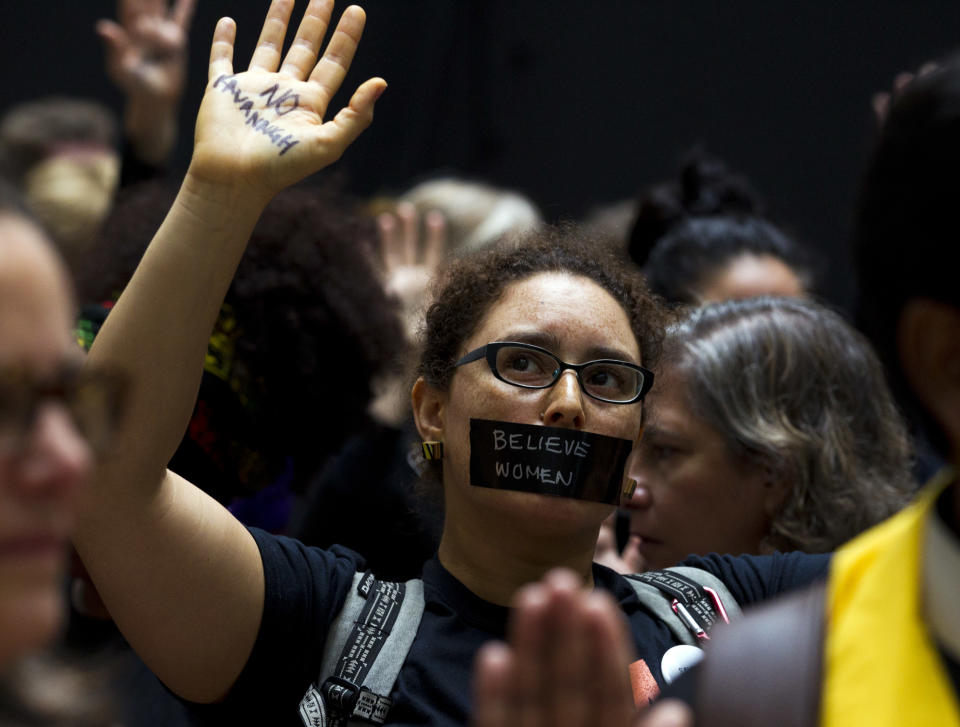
(433,451)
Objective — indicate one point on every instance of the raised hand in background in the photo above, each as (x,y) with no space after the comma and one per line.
(146,57)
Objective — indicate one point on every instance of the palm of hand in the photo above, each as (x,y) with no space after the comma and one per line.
(155,62)
(147,48)
(249,121)
(265,126)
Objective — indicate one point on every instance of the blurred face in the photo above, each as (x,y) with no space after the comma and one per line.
(578,321)
(43,463)
(692,495)
(750,276)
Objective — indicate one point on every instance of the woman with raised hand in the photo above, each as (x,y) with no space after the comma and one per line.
(182,577)
(536,360)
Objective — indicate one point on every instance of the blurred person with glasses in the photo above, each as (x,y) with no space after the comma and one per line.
(54,420)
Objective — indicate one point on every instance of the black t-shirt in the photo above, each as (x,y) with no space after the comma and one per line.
(306,587)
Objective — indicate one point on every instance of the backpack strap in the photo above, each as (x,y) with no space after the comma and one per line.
(768,668)
(688,600)
(366,647)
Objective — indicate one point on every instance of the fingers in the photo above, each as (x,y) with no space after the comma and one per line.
(329,72)
(528,676)
(390,241)
(436,243)
(114,37)
(566,664)
(667,713)
(129,11)
(221,50)
(407,216)
(902,80)
(401,243)
(881,104)
(266,56)
(570,673)
(491,686)
(303,51)
(610,654)
(351,120)
(182,13)
(632,558)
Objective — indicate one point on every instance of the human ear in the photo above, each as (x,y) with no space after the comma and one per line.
(429,408)
(776,491)
(928,343)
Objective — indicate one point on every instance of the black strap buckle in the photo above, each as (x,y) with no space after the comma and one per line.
(346,701)
(341,696)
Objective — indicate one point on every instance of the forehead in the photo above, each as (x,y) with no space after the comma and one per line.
(35,306)
(749,276)
(572,310)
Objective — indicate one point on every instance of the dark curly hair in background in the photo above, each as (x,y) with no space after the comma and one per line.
(689,229)
(312,328)
(470,286)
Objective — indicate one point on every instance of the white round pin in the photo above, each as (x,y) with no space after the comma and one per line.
(677,660)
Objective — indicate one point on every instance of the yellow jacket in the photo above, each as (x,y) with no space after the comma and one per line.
(881,667)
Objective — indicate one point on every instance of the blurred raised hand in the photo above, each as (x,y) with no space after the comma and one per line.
(881,100)
(410,258)
(146,57)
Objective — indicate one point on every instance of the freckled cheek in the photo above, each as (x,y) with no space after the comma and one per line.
(501,402)
(624,424)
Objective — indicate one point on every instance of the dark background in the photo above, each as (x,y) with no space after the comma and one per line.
(575,103)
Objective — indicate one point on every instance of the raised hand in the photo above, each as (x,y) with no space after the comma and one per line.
(881,100)
(146,57)
(147,48)
(410,260)
(264,129)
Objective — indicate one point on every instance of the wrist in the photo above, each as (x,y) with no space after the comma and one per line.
(216,205)
(151,130)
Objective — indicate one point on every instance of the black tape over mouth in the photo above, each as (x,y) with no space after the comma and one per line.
(547,460)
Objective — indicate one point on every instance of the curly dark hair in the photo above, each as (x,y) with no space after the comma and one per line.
(470,285)
(688,229)
(308,322)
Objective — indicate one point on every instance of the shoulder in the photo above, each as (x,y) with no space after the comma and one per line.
(305,588)
(303,581)
(752,578)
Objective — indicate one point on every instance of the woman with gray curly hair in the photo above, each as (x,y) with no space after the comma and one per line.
(772,428)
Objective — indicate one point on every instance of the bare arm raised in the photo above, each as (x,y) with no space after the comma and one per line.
(181,577)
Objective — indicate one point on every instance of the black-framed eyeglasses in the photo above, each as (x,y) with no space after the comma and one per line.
(532,367)
(94,399)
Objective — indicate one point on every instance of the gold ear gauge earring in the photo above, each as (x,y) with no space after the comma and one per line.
(629,487)
(433,451)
